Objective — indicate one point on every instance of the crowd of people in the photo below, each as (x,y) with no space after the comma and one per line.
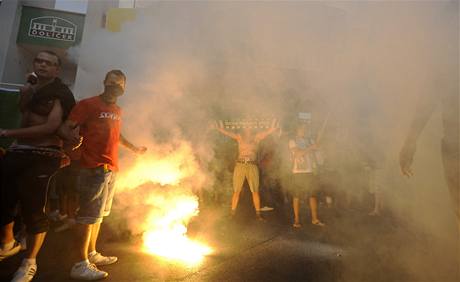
(70,149)
(52,121)
(296,166)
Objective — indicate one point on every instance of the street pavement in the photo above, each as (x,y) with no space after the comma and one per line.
(353,247)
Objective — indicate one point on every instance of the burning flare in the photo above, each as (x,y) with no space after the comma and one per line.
(166,236)
(169,201)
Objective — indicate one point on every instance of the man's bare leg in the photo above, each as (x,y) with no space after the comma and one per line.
(94,235)
(34,243)
(314,212)
(6,233)
(84,270)
(296,208)
(8,245)
(256,201)
(235,199)
(83,239)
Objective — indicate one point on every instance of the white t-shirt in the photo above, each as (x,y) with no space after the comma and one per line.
(302,164)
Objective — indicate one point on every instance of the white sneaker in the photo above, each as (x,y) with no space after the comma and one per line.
(88,271)
(266,208)
(99,259)
(11,252)
(68,223)
(25,272)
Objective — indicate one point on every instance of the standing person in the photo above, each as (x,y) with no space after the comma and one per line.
(425,107)
(99,119)
(33,159)
(246,164)
(303,180)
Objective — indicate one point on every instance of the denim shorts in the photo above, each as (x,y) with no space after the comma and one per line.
(96,188)
(303,184)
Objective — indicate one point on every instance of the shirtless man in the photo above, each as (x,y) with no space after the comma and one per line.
(31,161)
(246,164)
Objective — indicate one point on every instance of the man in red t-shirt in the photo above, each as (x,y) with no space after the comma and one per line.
(99,120)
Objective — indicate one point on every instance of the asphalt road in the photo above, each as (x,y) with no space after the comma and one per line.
(353,247)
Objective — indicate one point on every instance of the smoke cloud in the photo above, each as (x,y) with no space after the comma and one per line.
(362,63)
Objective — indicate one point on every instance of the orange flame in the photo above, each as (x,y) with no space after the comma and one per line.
(165,225)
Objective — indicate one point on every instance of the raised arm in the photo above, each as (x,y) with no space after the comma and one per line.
(129,145)
(220,128)
(47,128)
(424,109)
(264,134)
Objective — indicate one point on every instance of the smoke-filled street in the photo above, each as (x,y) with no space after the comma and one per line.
(229,141)
(246,250)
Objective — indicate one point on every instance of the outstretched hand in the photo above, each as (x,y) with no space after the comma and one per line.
(406,157)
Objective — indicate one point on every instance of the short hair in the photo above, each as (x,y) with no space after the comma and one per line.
(52,53)
(117,73)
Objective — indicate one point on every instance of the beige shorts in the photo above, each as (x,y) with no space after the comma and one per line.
(247,171)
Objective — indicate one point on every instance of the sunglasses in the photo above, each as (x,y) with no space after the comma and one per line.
(46,62)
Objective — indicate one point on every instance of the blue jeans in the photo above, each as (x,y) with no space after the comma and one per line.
(96,188)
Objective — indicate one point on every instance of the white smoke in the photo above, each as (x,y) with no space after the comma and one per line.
(365,63)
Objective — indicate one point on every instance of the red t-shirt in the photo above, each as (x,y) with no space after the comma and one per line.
(100,128)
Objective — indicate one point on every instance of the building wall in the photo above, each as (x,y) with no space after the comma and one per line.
(16,60)
(94,22)
(8,15)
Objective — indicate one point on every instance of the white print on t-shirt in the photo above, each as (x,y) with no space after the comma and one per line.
(308,162)
(109,115)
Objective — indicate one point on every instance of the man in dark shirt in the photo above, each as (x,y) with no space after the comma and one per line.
(33,158)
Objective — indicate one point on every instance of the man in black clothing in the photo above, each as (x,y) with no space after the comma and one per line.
(33,158)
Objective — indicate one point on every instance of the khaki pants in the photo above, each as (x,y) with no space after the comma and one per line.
(246,171)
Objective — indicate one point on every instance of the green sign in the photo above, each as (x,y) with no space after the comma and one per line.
(51,28)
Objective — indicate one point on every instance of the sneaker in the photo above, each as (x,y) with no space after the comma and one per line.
(25,272)
(99,259)
(266,208)
(11,252)
(68,223)
(87,271)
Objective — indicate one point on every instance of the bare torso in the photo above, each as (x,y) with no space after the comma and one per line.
(247,148)
(31,119)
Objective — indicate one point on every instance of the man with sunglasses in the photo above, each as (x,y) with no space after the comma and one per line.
(33,159)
